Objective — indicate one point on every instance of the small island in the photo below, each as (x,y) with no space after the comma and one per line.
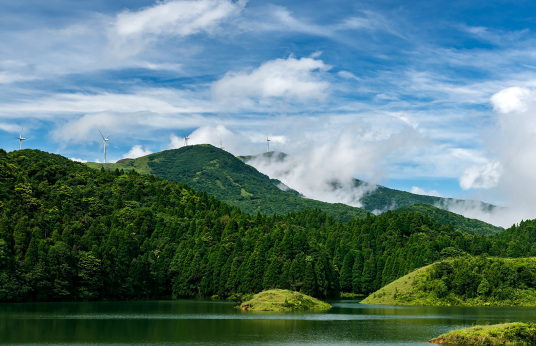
(498,334)
(283,300)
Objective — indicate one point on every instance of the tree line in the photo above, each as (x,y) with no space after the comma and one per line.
(68,232)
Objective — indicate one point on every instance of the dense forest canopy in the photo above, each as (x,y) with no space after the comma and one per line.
(69,232)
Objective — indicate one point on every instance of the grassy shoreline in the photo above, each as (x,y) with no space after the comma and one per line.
(516,333)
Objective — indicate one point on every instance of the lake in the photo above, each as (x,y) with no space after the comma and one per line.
(208,323)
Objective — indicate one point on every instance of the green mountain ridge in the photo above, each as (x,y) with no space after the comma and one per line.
(69,232)
(379,198)
(220,174)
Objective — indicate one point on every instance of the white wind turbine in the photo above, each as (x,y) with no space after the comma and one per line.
(105,141)
(20,138)
(268,144)
(186,138)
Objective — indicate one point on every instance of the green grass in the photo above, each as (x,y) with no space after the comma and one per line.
(498,334)
(401,291)
(283,300)
(464,281)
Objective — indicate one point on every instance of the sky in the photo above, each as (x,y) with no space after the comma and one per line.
(433,97)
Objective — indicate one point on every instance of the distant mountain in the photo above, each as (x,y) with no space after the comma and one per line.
(229,179)
(219,173)
(377,198)
(383,198)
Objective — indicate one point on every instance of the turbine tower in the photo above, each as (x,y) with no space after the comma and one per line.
(186,138)
(105,140)
(221,145)
(268,144)
(20,138)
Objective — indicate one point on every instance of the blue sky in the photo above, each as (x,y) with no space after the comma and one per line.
(433,97)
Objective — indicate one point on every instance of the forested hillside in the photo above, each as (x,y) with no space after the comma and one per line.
(459,222)
(69,232)
(465,281)
(220,174)
(378,198)
(207,168)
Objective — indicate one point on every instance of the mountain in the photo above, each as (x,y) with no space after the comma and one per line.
(376,198)
(230,179)
(69,232)
(222,175)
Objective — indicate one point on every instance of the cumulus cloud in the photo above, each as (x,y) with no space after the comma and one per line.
(217,135)
(510,170)
(481,177)
(512,99)
(290,79)
(136,151)
(77,160)
(323,166)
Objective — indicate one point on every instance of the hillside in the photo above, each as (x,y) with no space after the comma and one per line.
(220,174)
(69,232)
(464,281)
(377,198)
(459,222)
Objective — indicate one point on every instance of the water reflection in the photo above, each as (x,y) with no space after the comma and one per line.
(207,322)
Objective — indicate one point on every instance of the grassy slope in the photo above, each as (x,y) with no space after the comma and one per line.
(498,334)
(403,287)
(283,300)
(207,168)
(417,287)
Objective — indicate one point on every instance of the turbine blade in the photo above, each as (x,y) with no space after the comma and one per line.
(101,133)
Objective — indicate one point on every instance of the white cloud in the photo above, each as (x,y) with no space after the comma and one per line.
(324,161)
(290,79)
(481,177)
(512,99)
(180,18)
(419,191)
(10,127)
(8,77)
(136,151)
(77,159)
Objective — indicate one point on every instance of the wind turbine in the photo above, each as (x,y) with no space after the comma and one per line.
(20,138)
(105,141)
(221,145)
(186,138)
(268,144)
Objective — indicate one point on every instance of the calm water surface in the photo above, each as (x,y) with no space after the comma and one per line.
(210,323)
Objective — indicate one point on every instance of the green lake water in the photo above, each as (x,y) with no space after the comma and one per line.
(191,322)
